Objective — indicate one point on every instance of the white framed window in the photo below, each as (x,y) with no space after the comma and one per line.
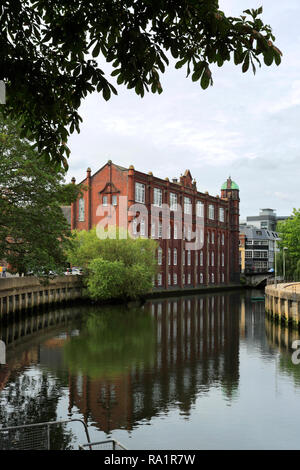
(183,257)
(189,233)
(104,201)
(169,256)
(200,209)
(221,214)
(211,212)
(159,279)
(153,230)
(143,227)
(175,232)
(175,279)
(159,229)
(139,192)
(134,227)
(114,200)
(175,257)
(169,279)
(159,256)
(212,258)
(157,197)
(201,258)
(201,278)
(169,232)
(189,279)
(212,237)
(81,210)
(212,278)
(189,257)
(223,259)
(248,254)
(173,202)
(223,239)
(187,205)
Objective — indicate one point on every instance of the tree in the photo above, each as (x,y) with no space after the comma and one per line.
(33,228)
(289,233)
(116,268)
(49,50)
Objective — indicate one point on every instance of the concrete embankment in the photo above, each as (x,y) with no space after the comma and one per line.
(282,302)
(18,293)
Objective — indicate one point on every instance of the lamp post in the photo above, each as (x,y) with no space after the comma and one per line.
(284,250)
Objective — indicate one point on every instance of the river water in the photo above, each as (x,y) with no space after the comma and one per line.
(189,372)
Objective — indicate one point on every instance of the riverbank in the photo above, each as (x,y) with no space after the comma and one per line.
(283,303)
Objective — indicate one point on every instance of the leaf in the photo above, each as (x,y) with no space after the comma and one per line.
(180,63)
(205,80)
(96,50)
(246,63)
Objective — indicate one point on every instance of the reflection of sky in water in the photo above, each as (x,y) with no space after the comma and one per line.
(226,387)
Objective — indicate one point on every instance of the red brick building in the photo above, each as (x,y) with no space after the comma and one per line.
(114,191)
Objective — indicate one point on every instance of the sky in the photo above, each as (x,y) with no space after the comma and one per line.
(244,126)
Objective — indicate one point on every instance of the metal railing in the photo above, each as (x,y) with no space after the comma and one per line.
(110,444)
(32,436)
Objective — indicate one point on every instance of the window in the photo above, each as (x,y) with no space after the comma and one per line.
(223,277)
(212,237)
(153,230)
(196,258)
(143,227)
(169,256)
(212,278)
(134,227)
(159,256)
(114,200)
(201,258)
(159,279)
(175,256)
(189,234)
(183,258)
(159,229)
(201,278)
(212,258)
(175,232)
(187,205)
(183,278)
(189,257)
(175,279)
(139,192)
(200,209)
(81,210)
(169,232)
(189,279)
(223,239)
(169,279)
(104,200)
(221,214)
(248,254)
(173,202)
(223,259)
(211,212)
(157,197)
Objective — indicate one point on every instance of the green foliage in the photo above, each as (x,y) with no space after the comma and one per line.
(117,268)
(50,66)
(32,225)
(113,340)
(289,232)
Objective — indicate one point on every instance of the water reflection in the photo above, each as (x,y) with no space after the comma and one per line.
(119,368)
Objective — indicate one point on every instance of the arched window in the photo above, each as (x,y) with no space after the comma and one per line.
(81,210)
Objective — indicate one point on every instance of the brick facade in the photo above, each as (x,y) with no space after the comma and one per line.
(217,262)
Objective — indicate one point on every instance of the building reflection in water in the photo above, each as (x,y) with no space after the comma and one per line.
(196,347)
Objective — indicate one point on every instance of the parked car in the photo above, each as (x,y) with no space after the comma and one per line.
(76,271)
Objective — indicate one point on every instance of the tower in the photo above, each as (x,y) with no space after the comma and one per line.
(231,192)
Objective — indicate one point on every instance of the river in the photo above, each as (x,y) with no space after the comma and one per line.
(190,372)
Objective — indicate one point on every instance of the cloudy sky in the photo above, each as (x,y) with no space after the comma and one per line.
(245,126)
